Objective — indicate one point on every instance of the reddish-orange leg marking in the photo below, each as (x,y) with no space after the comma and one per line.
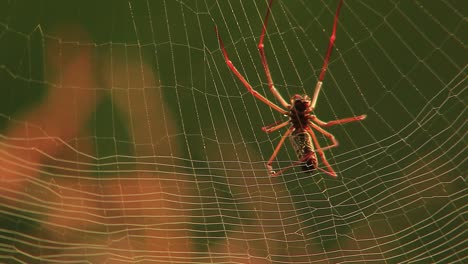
(265,62)
(327,58)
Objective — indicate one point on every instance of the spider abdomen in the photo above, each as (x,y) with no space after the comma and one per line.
(302,143)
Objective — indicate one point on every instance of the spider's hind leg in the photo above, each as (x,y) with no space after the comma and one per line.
(275,153)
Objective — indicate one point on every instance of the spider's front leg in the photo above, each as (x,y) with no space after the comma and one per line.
(275,126)
(243,80)
(261,49)
(327,58)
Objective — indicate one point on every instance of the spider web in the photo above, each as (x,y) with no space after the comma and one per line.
(125,138)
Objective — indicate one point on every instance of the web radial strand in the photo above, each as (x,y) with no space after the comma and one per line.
(125,137)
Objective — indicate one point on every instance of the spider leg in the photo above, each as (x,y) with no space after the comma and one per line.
(319,150)
(294,164)
(278,147)
(244,81)
(327,58)
(275,126)
(327,134)
(265,62)
(339,121)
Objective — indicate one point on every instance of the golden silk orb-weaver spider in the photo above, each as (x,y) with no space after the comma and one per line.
(302,122)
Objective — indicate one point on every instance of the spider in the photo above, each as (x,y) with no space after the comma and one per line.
(302,122)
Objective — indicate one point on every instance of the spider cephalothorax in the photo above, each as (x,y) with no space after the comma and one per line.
(301,122)
(300,107)
(300,103)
